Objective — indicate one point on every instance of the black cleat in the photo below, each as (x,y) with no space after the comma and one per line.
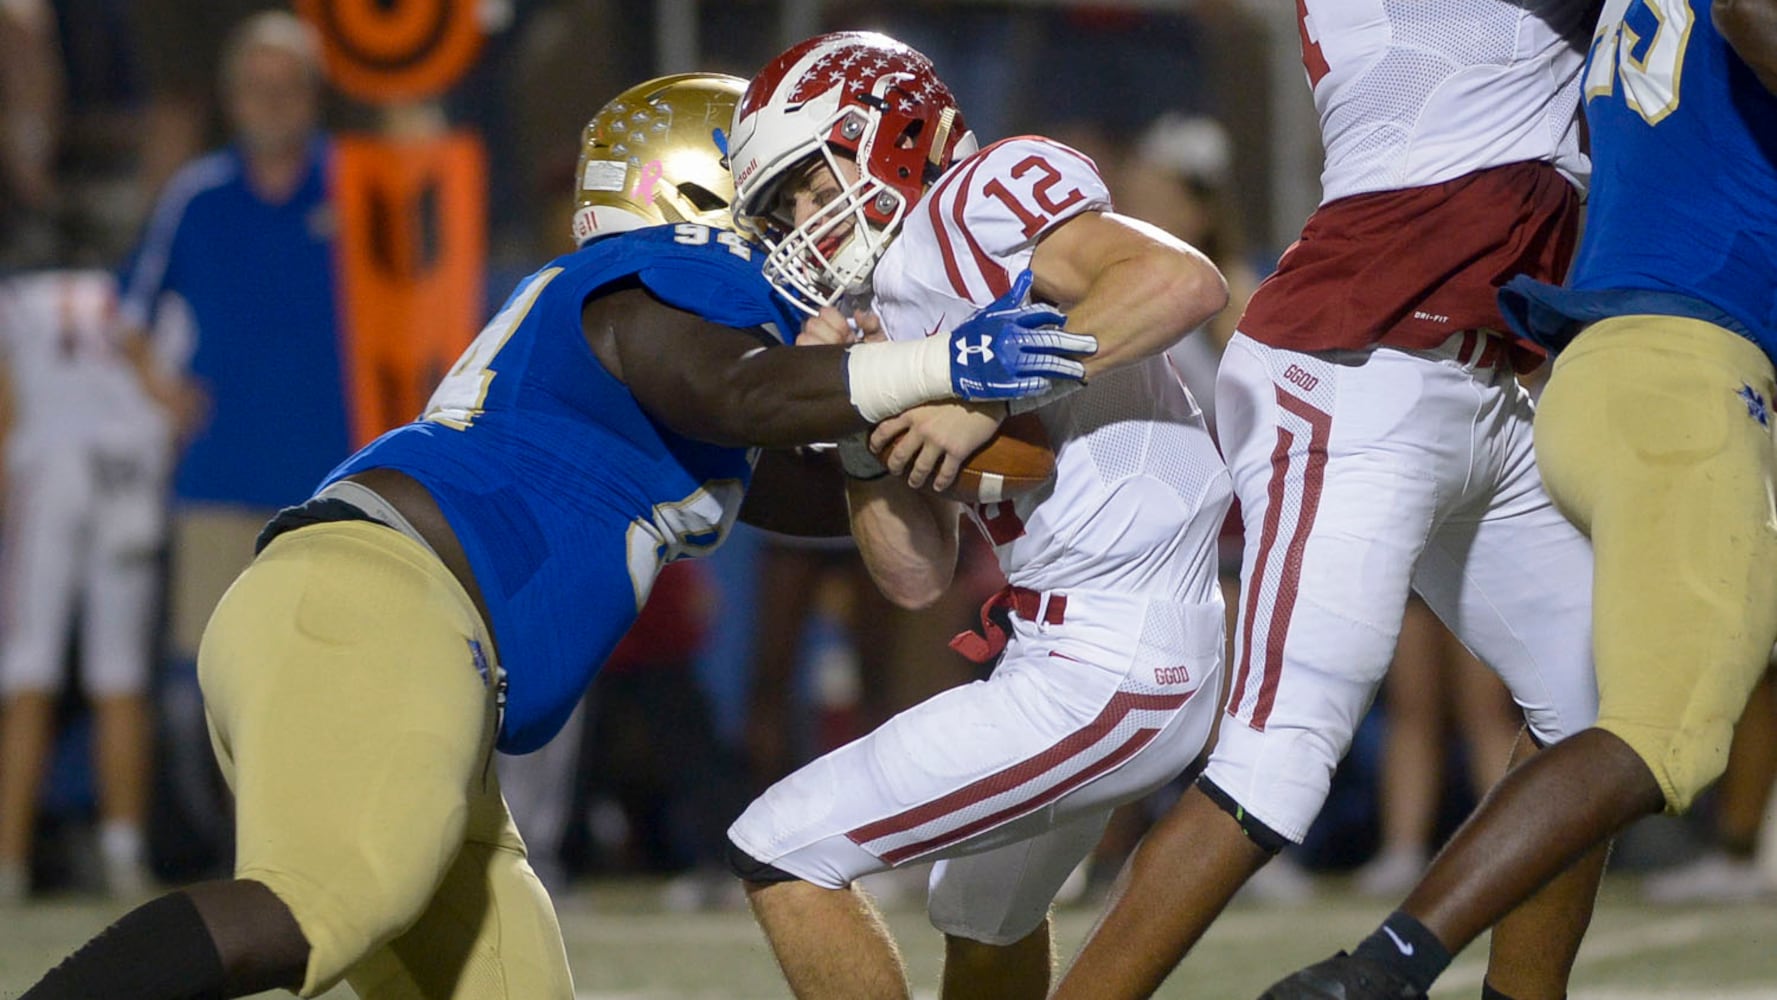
(1344,977)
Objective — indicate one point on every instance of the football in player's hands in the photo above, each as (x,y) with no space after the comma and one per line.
(1015,461)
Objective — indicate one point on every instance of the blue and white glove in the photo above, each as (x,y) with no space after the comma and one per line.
(1010,348)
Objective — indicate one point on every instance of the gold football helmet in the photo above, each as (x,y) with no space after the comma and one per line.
(654,156)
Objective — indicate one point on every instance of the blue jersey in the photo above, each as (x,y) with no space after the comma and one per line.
(1682,218)
(257,278)
(566,496)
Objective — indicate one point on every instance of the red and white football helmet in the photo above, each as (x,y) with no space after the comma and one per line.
(855,94)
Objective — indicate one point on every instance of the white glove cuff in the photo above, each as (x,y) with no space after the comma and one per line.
(888,377)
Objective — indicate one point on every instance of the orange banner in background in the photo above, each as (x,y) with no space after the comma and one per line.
(412,255)
(387,51)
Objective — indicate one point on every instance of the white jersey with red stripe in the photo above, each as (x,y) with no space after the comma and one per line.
(1362,477)
(1139,490)
(71,385)
(1107,686)
(86,465)
(1418,92)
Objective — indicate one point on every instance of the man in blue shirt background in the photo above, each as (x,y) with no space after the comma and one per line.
(239,256)
(242,241)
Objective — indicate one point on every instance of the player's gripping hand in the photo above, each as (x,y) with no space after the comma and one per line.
(1010,348)
(829,326)
(933,441)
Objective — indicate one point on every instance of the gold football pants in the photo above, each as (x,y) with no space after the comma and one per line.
(1654,437)
(351,711)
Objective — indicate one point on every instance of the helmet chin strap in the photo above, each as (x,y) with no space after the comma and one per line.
(941,135)
(935,156)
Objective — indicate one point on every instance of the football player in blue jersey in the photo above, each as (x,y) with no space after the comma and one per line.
(1654,436)
(453,587)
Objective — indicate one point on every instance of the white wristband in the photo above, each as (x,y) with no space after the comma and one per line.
(891,376)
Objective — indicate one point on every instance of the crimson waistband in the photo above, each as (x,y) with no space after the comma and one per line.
(1028,604)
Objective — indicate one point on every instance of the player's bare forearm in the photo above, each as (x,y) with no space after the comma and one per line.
(716,383)
(1750,27)
(782,396)
(1131,285)
(907,539)
(740,388)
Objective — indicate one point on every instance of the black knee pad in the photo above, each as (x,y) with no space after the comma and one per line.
(751,869)
(1269,840)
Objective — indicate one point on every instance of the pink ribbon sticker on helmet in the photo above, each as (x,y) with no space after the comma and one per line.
(645,182)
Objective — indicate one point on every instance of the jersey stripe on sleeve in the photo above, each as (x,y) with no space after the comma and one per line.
(998,281)
(945,249)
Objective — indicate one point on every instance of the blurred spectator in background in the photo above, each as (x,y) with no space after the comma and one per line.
(891,648)
(86,456)
(1433,680)
(1181,178)
(643,742)
(31,92)
(1728,870)
(793,576)
(242,244)
(652,751)
(180,45)
(549,60)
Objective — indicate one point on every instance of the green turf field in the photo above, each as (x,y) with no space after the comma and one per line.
(623,944)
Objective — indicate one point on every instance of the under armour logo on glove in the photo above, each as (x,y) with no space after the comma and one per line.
(983,350)
(1010,349)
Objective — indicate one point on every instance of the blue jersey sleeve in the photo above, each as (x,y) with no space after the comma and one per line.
(714,274)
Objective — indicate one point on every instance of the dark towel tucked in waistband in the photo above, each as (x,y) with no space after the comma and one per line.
(319,510)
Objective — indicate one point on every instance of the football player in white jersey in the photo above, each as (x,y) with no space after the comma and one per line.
(86,461)
(853,163)
(1380,442)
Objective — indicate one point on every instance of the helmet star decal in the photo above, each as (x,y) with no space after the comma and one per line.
(855,96)
(836,68)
